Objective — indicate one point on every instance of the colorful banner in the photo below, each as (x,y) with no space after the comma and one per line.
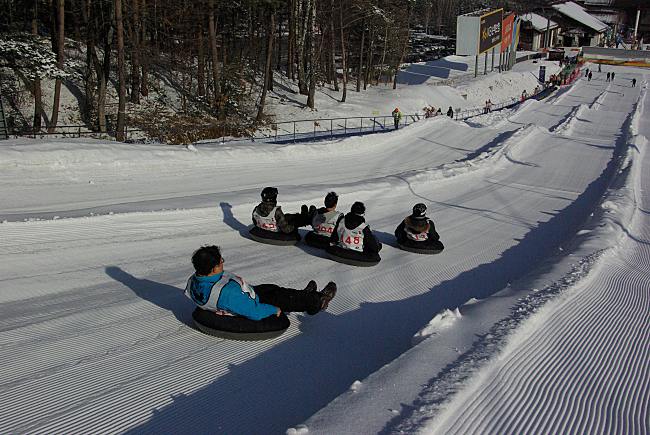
(490,30)
(506,32)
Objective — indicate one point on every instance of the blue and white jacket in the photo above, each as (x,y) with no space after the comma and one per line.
(226,293)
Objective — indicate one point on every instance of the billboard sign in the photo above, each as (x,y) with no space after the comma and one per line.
(506,31)
(490,30)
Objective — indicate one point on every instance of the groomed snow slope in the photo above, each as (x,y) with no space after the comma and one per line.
(94,331)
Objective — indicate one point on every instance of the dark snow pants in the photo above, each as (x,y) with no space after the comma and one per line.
(288,299)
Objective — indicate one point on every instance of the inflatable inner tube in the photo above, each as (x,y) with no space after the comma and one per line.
(421,247)
(317,240)
(238,327)
(353,258)
(271,238)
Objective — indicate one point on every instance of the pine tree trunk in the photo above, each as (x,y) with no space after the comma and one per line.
(292,37)
(200,79)
(121,110)
(312,55)
(59,61)
(383,56)
(144,85)
(404,46)
(213,52)
(360,70)
(38,103)
(267,68)
(369,65)
(343,56)
(300,45)
(333,47)
(135,54)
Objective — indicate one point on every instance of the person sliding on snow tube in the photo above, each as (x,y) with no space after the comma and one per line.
(417,233)
(228,307)
(323,222)
(271,225)
(352,241)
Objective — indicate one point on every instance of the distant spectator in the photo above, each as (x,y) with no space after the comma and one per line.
(599,69)
(634,83)
(608,76)
(450,112)
(586,72)
(613,74)
(589,79)
(397,116)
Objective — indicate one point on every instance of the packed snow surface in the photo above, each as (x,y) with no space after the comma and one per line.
(95,241)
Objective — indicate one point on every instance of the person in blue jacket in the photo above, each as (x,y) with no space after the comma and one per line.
(213,289)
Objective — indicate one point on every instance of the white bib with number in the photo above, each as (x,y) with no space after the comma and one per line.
(267,223)
(351,239)
(324,224)
(418,237)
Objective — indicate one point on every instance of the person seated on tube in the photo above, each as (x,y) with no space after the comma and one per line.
(224,293)
(323,221)
(352,237)
(269,220)
(418,231)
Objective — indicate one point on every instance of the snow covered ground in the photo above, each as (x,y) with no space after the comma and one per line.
(543,203)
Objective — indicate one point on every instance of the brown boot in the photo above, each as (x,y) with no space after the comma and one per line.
(327,294)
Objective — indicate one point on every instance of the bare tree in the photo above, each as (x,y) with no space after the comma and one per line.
(268,72)
(121,111)
(60,58)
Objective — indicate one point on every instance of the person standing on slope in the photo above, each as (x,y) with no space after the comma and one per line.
(397,117)
(450,112)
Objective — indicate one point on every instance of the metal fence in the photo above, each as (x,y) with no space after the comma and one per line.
(277,132)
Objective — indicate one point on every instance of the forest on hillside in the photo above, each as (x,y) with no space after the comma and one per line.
(204,66)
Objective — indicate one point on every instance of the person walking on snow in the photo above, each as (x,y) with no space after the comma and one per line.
(634,83)
(450,112)
(224,293)
(608,77)
(589,79)
(397,117)
(613,74)
(599,69)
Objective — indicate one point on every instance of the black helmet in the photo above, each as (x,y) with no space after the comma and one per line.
(269,194)
(331,199)
(419,211)
(358,208)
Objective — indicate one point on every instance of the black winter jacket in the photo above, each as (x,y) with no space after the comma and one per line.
(264,208)
(351,221)
(416,227)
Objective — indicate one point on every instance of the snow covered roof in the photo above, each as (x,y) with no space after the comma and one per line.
(538,22)
(578,13)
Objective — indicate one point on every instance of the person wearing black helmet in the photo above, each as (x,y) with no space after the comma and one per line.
(352,240)
(270,222)
(323,221)
(417,232)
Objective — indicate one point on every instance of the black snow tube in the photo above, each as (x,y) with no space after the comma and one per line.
(238,327)
(353,258)
(317,240)
(271,238)
(421,247)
